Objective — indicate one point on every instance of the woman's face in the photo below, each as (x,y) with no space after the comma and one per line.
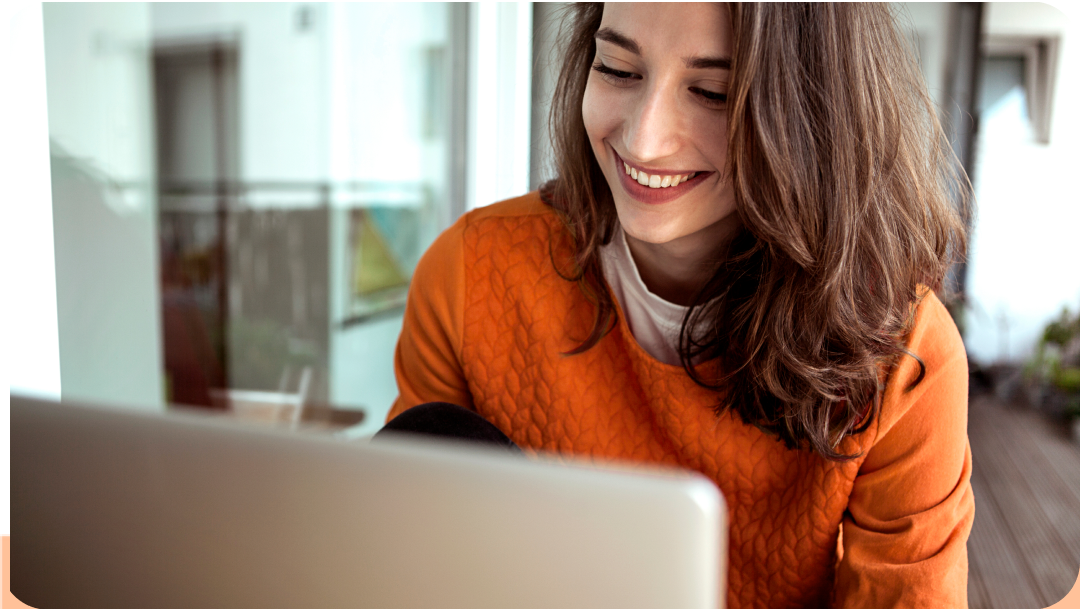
(655,103)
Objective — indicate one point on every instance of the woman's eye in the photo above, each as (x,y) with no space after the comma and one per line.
(616,76)
(710,97)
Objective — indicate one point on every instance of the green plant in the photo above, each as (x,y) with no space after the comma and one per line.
(1063,330)
(1055,365)
(1067,378)
(1040,368)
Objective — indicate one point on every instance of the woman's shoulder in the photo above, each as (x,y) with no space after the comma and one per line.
(934,367)
(934,336)
(473,225)
(485,224)
(911,507)
(481,234)
(526,207)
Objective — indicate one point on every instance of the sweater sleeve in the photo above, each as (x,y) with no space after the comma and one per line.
(427,361)
(911,507)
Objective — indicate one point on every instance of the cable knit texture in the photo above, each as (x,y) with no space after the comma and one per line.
(486,324)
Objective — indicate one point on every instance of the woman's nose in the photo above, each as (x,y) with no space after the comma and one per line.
(653,131)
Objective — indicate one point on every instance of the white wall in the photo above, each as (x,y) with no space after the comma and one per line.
(283,80)
(1023,256)
(378,62)
(104,203)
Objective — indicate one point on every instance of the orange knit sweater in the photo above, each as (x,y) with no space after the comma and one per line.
(488,318)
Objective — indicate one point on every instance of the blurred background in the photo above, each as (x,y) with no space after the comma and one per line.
(239,192)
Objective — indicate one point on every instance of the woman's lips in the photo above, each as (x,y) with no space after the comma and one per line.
(654,196)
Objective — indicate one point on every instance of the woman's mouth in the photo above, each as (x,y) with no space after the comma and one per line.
(657,180)
(655,188)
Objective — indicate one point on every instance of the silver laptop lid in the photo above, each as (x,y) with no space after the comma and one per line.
(113,508)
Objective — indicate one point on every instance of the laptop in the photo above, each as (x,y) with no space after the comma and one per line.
(119,508)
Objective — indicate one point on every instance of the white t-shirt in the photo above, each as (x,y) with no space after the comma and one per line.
(653,321)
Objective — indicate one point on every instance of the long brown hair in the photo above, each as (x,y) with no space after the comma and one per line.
(850,201)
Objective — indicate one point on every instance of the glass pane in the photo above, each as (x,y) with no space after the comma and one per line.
(294,166)
(99,87)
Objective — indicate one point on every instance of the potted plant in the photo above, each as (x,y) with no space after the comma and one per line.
(1055,370)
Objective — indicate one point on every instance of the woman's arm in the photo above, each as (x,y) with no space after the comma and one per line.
(427,362)
(911,508)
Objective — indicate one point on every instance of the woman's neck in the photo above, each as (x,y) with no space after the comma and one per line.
(676,270)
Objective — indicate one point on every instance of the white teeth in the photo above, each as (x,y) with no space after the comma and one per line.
(656,181)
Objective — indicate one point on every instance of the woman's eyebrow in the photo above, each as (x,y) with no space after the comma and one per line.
(609,35)
(694,63)
(705,63)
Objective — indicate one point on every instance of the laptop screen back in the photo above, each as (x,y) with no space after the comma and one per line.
(113,508)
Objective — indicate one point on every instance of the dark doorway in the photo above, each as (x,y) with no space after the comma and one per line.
(196,97)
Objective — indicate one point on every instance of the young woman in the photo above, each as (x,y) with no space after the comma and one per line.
(732,273)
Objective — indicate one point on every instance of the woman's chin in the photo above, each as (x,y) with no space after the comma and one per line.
(701,235)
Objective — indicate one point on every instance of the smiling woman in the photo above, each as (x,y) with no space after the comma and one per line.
(655,103)
(733,272)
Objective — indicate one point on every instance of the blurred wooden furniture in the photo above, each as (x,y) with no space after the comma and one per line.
(285,408)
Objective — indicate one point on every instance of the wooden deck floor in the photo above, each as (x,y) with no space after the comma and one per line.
(1024,550)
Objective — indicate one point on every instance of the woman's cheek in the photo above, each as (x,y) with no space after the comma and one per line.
(599,112)
(589,111)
